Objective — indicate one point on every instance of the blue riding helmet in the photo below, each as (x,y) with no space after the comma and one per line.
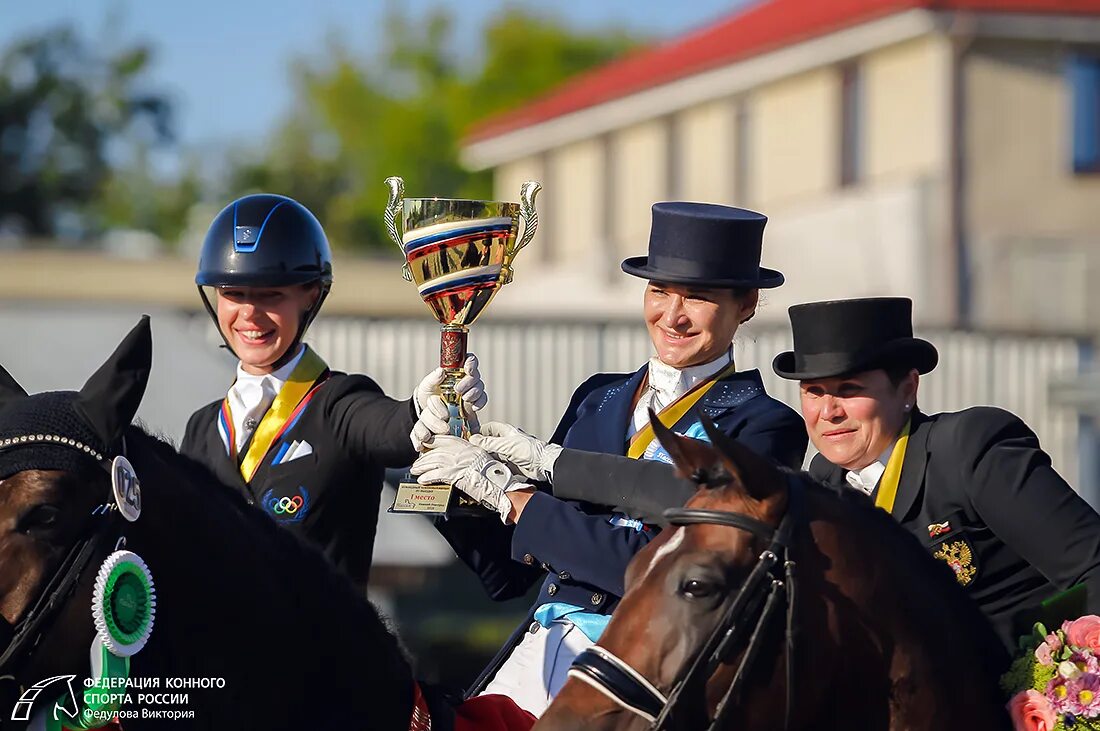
(265,240)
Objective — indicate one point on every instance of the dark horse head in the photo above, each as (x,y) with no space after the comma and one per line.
(771,602)
(274,637)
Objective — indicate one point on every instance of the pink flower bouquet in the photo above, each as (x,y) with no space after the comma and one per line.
(1055,683)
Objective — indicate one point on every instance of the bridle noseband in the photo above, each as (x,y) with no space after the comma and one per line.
(769,587)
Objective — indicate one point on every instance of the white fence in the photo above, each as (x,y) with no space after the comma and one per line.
(532,368)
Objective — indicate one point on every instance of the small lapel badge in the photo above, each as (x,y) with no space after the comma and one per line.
(960,557)
(938,529)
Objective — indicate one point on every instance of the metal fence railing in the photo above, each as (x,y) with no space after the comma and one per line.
(531,368)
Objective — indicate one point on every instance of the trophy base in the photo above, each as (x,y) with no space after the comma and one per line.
(432,500)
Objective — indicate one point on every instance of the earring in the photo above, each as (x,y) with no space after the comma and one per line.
(908,406)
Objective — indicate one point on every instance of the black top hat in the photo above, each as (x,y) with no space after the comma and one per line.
(706,245)
(849,336)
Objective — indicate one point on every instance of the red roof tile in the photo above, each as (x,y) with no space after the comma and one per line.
(762,27)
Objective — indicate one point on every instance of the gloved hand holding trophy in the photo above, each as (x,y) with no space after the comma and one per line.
(458,252)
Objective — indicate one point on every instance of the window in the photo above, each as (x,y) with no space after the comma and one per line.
(742,151)
(608,208)
(1084,80)
(674,182)
(851,124)
(549,214)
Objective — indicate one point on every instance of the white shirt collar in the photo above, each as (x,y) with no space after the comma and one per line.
(671,383)
(666,384)
(251,396)
(866,479)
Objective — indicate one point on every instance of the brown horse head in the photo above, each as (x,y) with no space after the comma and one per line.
(55,451)
(882,637)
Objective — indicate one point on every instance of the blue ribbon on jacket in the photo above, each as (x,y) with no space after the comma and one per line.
(591,625)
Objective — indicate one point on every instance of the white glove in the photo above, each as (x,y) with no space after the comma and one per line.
(471,469)
(532,456)
(432,412)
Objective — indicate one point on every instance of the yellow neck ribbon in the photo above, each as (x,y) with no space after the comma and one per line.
(675,411)
(888,485)
(288,403)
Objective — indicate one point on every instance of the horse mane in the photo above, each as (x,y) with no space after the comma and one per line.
(330,628)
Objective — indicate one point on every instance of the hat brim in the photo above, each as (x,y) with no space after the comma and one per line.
(638,266)
(915,352)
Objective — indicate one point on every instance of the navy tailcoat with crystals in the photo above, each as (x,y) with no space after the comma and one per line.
(580,550)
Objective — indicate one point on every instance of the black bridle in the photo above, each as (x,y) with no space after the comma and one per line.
(100,533)
(769,587)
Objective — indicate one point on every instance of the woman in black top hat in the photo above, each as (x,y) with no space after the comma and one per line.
(704,275)
(973,486)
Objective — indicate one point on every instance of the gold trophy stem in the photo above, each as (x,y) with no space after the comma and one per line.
(452,356)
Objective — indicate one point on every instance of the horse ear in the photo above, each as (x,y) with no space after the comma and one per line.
(692,457)
(9,387)
(721,441)
(756,474)
(111,396)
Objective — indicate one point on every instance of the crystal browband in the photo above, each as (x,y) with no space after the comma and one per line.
(49,439)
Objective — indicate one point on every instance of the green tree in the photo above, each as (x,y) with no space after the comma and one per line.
(405,111)
(63,105)
(133,196)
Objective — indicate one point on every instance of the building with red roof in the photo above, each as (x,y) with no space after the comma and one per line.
(942,149)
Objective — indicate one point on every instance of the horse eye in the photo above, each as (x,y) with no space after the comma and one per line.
(39,518)
(698,588)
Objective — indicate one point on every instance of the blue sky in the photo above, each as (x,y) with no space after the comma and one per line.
(225,61)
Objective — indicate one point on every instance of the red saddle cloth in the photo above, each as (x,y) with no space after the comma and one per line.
(492,713)
(483,713)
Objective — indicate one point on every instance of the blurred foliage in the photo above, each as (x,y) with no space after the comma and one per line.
(81,128)
(404,112)
(69,110)
(135,198)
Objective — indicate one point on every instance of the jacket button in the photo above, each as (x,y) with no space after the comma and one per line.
(529,559)
(552,589)
(597,598)
(534,627)
(564,576)
(547,567)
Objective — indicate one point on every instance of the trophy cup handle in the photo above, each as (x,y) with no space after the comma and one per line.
(530,218)
(527,212)
(393,210)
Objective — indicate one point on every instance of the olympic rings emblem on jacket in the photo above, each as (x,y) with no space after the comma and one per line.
(287,508)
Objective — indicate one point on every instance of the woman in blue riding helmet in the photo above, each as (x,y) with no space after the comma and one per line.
(305,444)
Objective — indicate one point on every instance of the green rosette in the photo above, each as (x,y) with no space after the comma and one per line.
(124,603)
